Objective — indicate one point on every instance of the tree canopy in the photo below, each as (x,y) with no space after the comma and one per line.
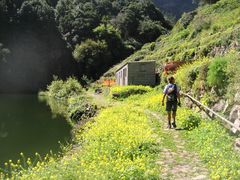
(50,34)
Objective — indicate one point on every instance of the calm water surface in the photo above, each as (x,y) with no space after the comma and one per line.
(27,125)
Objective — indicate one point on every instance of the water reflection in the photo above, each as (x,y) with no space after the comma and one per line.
(28,126)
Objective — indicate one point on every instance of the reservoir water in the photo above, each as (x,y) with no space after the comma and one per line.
(27,126)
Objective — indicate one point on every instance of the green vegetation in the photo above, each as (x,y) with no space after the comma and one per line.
(121,26)
(192,76)
(71,38)
(211,78)
(121,143)
(209,31)
(217,73)
(215,146)
(208,138)
(188,119)
(173,9)
(126,91)
(68,98)
(63,90)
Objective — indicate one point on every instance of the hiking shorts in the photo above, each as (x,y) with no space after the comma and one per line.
(171,106)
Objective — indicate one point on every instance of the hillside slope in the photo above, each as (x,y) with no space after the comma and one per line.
(209,31)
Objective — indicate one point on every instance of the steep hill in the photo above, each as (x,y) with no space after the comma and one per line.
(209,31)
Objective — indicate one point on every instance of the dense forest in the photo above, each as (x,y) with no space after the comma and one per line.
(40,38)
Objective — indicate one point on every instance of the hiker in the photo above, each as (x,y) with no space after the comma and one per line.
(173,100)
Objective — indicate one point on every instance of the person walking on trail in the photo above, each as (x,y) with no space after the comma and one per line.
(171,91)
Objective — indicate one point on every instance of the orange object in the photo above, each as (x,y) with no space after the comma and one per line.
(109,82)
(172,66)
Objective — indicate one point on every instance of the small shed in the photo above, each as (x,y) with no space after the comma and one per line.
(137,73)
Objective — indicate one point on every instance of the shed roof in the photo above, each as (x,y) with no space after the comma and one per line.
(134,62)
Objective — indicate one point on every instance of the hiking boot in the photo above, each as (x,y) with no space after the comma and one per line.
(174,125)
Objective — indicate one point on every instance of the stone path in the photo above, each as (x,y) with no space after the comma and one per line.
(175,161)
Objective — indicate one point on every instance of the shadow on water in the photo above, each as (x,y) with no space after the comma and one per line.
(28,126)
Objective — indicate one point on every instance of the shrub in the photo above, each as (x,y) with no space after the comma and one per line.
(60,89)
(126,91)
(80,108)
(188,119)
(217,74)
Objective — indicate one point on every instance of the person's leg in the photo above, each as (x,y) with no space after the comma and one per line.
(174,113)
(168,109)
(169,119)
(174,119)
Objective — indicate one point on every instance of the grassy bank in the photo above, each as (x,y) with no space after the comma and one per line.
(118,144)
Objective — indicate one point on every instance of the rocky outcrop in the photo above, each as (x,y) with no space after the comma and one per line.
(235,117)
(235,113)
(237,97)
(220,106)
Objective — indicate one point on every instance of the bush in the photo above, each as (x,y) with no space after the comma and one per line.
(80,108)
(217,74)
(126,91)
(60,89)
(188,119)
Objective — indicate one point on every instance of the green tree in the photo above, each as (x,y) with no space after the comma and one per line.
(37,12)
(109,34)
(76,20)
(93,56)
(150,30)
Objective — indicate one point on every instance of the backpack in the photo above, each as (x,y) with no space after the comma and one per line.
(172,97)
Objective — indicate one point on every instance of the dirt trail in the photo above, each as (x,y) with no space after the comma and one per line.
(175,161)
